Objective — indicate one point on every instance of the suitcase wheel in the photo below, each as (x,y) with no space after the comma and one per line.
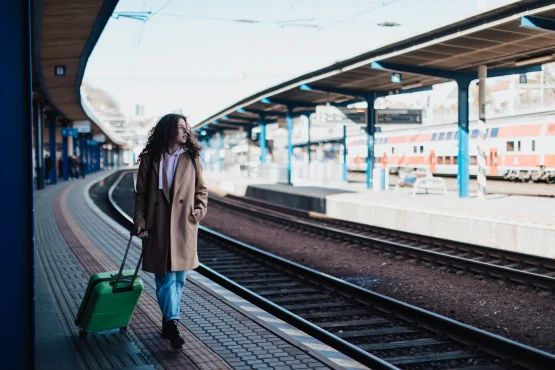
(82,333)
(123,329)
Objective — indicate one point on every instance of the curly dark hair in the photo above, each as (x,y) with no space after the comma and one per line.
(161,136)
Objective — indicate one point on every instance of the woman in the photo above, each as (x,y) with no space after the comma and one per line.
(170,201)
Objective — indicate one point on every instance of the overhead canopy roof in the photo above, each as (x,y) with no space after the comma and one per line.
(64,34)
(504,39)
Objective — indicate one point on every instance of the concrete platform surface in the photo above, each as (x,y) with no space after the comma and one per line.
(75,239)
(523,224)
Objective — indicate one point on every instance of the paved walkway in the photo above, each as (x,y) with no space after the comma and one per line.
(74,239)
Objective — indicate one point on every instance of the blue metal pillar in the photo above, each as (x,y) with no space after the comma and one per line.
(289,122)
(220,148)
(345,153)
(463,173)
(65,159)
(52,145)
(17,317)
(309,144)
(39,143)
(98,151)
(203,153)
(82,156)
(370,130)
(106,158)
(211,145)
(97,155)
(116,157)
(74,142)
(262,140)
(89,159)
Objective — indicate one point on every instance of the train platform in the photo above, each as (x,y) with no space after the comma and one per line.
(74,239)
(517,223)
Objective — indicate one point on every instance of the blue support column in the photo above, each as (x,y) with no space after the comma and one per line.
(17,317)
(39,143)
(89,159)
(74,141)
(262,141)
(211,142)
(370,130)
(52,145)
(345,153)
(116,157)
(203,153)
(98,155)
(106,158)
(463,173)
(220,148)
(95,158)
(308,143)
(82,156)
(65,159)
(289,122)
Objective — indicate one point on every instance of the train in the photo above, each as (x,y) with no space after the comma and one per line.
(518,148)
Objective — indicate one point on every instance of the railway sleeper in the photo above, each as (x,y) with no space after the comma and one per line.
(402,344)
(375,332)
(427,358)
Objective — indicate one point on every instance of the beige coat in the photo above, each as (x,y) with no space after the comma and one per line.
(171,218)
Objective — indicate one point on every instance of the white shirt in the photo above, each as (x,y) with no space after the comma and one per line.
(168,164)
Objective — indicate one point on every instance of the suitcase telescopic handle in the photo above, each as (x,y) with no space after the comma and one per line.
(116,288)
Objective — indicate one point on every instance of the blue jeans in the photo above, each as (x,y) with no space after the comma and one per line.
(169,289)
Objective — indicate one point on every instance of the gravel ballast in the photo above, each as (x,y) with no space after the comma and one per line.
(517,313)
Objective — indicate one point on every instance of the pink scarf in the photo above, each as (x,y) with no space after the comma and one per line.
(168,164)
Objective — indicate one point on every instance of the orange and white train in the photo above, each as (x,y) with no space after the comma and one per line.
(518,147)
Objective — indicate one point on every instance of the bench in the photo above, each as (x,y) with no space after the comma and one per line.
(421,180)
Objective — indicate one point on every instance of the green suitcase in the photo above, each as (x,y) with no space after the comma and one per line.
(110,299)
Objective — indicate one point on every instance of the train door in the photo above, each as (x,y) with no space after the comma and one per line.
(493,162)
(433,161)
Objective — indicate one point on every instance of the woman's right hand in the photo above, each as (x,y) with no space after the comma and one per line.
(142,233)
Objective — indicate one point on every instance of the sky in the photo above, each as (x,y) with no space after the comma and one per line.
(201,57)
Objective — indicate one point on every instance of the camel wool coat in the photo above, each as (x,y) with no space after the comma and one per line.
(171,217)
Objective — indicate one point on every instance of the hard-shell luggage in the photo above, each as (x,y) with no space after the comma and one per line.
(110,299)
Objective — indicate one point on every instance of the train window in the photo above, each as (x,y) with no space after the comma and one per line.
(456,135)
(473,160)
(510,146)
(414,149)
(533,145)
(518,146)
(455,159)
(494,132)
(392,150)
(441,135)
(434,137)
(449,135)
(439,160)
(421,149)
(474,134)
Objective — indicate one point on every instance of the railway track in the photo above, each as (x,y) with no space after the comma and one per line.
(378,331)
(519,268)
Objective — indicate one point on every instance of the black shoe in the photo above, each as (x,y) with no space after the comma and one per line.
(171,331)
(165,330)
